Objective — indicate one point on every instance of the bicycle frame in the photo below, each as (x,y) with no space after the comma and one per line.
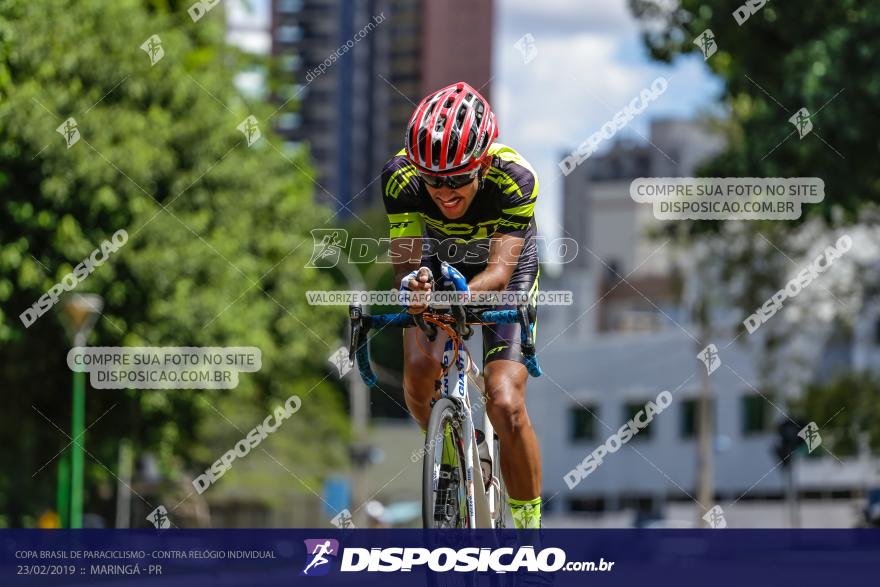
(483,512)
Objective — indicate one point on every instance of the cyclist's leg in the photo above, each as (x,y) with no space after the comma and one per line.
(421,368)
(520,455)
(506,377)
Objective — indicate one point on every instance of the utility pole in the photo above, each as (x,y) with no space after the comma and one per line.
(701,316)
(359,399)
(787,443)
(705,433)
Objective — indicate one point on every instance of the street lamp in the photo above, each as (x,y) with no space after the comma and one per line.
(79,314)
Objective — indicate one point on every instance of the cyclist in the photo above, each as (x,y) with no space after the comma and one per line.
(452,184)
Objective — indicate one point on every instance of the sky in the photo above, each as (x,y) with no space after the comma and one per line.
(588,62)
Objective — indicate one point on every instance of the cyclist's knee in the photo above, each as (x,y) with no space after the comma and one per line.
(506,406)
(508,414)
(419,374)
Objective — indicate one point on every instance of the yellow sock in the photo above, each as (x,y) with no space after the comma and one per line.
(526,513)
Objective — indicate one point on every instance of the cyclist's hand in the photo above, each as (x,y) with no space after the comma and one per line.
(417,282)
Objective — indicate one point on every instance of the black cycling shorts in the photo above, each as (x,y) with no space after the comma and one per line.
(502,341)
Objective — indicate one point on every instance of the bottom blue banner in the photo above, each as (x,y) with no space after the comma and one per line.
(414,557)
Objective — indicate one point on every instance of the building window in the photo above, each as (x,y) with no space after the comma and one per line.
(690,412)
(289,34)
(583,423)
(291,62)
(288,121)
(290,6)
(294,92)
(292,147)
(630,409)
(688,422)
(755,414)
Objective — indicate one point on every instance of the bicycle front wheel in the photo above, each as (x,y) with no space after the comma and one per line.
(444,485)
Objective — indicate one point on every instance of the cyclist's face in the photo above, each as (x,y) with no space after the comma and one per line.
(454,202)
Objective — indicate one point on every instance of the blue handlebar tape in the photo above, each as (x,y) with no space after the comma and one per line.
(500,316)
(363,361)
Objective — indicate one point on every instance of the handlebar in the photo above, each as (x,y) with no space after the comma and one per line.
(362,323)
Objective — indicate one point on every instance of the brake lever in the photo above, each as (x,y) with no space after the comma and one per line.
(355,314)
(461,326)
(429,329)
(528,341)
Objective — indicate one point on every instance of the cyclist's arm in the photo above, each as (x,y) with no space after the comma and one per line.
(400,195)
(504,250)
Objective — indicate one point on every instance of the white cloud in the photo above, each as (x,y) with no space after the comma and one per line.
(564,16)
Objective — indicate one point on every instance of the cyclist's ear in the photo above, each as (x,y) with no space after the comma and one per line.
(485,164)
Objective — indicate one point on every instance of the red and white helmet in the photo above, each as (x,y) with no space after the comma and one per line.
(450,131)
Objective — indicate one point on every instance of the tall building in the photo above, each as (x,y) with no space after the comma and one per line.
(457,44)
(356,69)
(614,233)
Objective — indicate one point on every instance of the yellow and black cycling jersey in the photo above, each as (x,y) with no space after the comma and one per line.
(504,204)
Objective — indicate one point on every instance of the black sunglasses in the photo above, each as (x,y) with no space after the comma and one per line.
(453,181)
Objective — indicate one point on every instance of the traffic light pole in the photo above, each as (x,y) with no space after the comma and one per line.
(62,495)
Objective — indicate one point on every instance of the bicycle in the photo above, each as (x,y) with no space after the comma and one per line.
(454,492)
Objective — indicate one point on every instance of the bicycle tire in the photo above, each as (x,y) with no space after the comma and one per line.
(443,412)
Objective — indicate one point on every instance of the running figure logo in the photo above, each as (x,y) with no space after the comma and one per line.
(159,518)
(153,48)
(69,131)
(250,129)
(801,121)
(318,551)
(706,44)
(810,434)
(327,247)
(710,357)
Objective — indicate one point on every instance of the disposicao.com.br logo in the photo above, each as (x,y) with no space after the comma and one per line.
(441,560)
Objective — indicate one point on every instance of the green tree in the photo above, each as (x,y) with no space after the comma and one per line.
(783,58)
(847,412)
(774,60)
(218,238)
